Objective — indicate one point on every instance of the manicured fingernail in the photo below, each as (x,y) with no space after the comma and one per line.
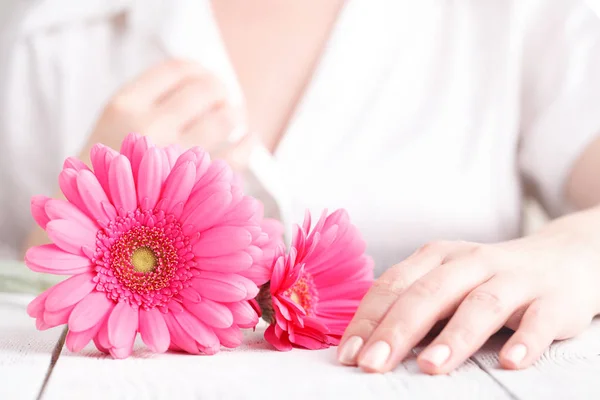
(516,354)
(350,350)
(436,355)
(376,356)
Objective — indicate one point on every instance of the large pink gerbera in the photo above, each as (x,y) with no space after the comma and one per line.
(315,289)
(159,242)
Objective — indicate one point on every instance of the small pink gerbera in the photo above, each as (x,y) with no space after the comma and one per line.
(315,289)
(159,242)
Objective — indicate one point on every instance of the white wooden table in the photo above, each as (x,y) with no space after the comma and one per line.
(36,365)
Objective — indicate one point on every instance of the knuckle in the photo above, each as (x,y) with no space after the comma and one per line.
(462,338)
(387,286)
(426,287)
(399,332)
(365,324)
(434,247)
(487,300)
(120,107)
(483,252)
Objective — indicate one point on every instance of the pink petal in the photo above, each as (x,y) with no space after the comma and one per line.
(279,344)
(61,209)
(345,290)
(308,342)
(175,306)
(244,314)
(40,325)
(140,148)
(74,163)
(212,313)
(190,295)
(154,331)
(244,211)
(209,212)
(59,317)
(273,228)
(121,353)
(102,336)
(218,170)
(38,210)
(128,144)
(101,156)
(172,153)
(234,262)
(76,341)
(222,289)
(222,240)
(67,181)
(150,178)
(179,336)
(52,260)
(259,273)
(230,337)
(279,271)
(70,236)
(122,186)
(90,311)
(70,292)
(201,333)
(178,185)
(105,350)
(35,308)
(122,325)
(202,194)
(92,196)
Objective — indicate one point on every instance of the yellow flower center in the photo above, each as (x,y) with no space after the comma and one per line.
(143,260)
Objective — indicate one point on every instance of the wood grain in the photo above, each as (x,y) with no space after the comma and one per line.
(568,370)
(254,371)
(25,353)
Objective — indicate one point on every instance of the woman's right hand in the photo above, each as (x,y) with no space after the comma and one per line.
(176,102)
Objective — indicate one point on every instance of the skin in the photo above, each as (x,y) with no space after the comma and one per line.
(543,286)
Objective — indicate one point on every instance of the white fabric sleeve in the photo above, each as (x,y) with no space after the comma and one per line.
(560,95)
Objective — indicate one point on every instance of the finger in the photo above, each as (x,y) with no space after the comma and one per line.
(213,129)
(514,320)
(428,300)
(481,314)
(536,332)
(237,154)
(159,80)
(188,103)
(383,294)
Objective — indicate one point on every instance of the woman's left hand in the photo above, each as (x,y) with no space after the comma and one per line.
(546,287)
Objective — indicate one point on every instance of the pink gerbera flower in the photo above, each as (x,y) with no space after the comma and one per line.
(159,242)
(315,289)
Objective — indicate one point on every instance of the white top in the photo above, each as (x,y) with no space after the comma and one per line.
(422,119)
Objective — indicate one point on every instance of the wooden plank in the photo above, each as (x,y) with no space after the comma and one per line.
(253,371)
(25,353)
(568,370)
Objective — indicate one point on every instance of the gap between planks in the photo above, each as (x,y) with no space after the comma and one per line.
(53,360)
(506,390)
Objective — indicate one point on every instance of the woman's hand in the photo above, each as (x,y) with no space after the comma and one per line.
(176,102)
(546,287)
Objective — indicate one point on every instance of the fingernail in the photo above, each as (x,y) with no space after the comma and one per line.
(350,350)
(436,355)
(516,354)
(376,356)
